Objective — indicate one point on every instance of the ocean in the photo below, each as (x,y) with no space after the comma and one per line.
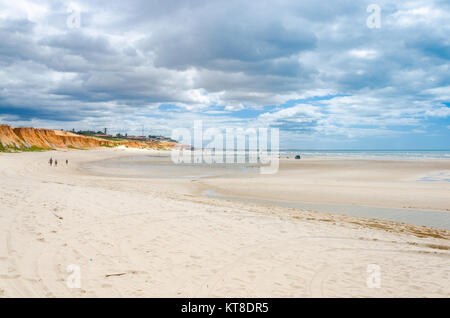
(368,154)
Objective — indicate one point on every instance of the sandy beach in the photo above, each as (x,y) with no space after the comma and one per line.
(144,236)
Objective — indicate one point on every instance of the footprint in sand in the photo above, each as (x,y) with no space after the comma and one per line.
(10,276)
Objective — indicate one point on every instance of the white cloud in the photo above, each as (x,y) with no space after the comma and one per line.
(414,13)
(129,58)
(22,9)
(364,54)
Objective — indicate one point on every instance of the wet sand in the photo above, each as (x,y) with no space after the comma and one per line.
(364,182)
(306,184)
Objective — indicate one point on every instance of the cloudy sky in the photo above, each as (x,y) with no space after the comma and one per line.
(324,72)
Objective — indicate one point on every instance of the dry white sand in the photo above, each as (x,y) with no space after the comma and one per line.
(136,237)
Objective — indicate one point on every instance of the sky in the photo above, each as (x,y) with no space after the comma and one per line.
(328,74)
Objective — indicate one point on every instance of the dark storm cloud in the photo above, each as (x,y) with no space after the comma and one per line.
(78,43)
(217,57)
(16,40)
(205,45)
(24,113)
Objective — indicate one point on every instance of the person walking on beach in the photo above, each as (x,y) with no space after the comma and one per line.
(67,161)
(50,161)
(56,163)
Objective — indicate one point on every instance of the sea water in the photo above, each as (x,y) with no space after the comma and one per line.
(368,154)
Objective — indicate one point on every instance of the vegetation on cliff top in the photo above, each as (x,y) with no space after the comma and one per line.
(28,139)
(11,149)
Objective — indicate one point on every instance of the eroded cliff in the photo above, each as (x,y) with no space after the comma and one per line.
(23,138)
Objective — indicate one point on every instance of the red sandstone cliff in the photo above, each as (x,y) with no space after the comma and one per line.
(26,137)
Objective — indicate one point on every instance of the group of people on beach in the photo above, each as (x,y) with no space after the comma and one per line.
(51,161)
